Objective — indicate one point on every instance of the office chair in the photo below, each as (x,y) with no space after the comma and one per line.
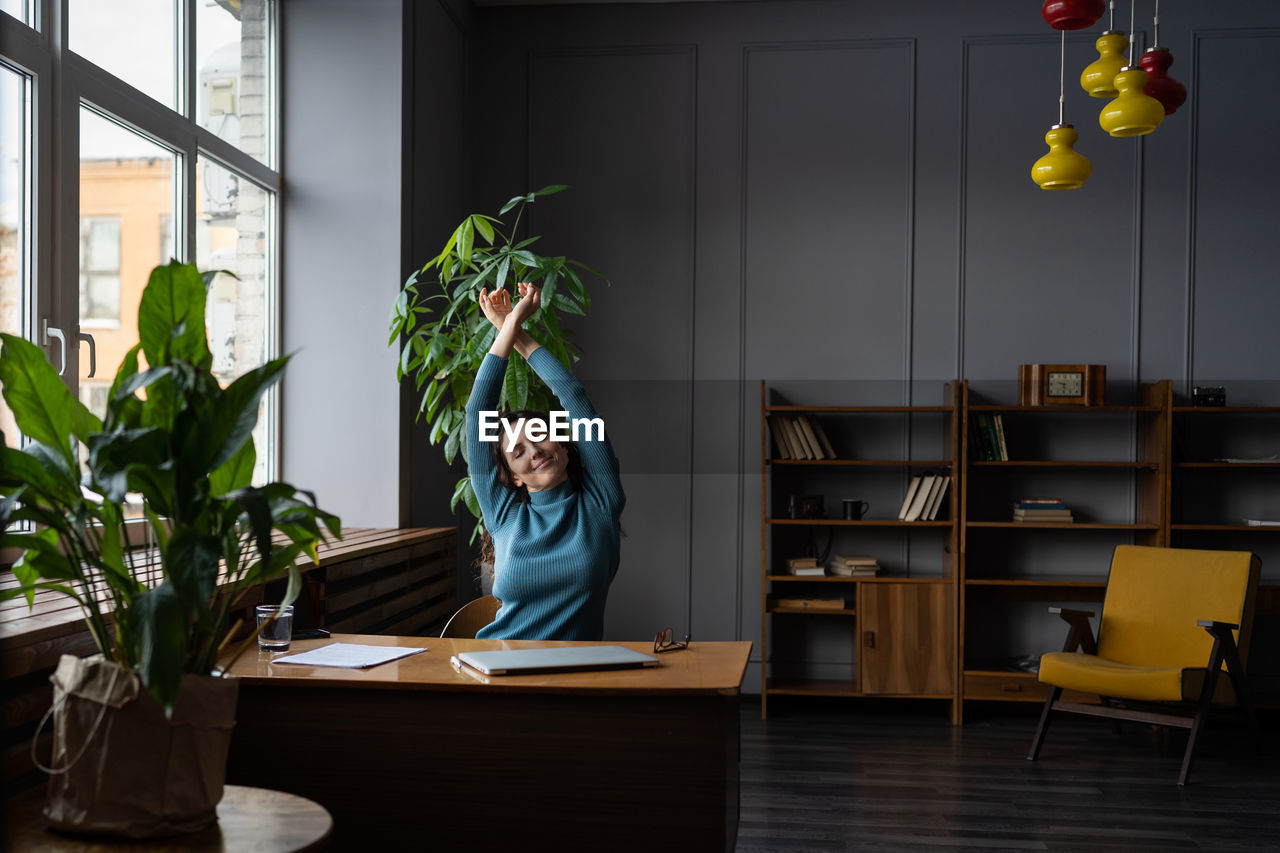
(471,617)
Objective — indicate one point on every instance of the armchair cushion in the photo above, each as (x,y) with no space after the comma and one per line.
(1094,674)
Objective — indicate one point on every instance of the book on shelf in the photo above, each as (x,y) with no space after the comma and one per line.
(977,439)
(801,562)
(793,603)
(1261,522)
(789,436)
(921,497)
(1042,515)
(912,488)
(811,437)
(1046,503)
(808,571)
(798,440)
(782,449)
(993,440)
(855,571)
(1004,450)
(827,449)
(935,499)
(854,566)
(855,559)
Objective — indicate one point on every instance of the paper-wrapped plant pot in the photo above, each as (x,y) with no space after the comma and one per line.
(120,767)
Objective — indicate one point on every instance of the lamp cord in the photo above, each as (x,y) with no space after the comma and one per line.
(1155,27)
(1062,88)
(1112,26)
(1133,5)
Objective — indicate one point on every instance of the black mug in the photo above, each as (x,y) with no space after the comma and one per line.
(853,510)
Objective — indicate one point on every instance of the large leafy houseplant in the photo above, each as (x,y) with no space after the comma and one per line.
(183,444)
(444,335)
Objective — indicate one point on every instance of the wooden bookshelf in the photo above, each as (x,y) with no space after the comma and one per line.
(900,622)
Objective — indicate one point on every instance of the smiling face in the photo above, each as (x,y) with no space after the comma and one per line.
(536,465)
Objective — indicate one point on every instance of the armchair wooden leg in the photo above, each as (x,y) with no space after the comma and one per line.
(1115,722)
(1202,709)
(1055,693)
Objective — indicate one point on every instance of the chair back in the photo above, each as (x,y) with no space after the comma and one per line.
(1156,595)
(471,617)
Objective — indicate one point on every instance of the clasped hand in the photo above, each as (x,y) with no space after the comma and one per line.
(498,308)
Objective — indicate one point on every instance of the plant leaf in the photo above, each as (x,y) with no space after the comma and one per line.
(552,190)
(42,405)
(236,472)
(159,623)
(171,316)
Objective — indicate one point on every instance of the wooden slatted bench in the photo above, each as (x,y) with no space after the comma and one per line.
(372,581)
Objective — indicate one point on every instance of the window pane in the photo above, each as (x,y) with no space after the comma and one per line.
(127,193)
(234,233)
(15,219)
(20,9)
(136,40)
(233,67)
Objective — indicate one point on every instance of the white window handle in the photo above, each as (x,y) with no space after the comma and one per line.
(47,332)
(93,352)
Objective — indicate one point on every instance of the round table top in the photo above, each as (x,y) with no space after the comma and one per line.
(249,819)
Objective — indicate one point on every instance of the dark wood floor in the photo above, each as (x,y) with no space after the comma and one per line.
(833,775)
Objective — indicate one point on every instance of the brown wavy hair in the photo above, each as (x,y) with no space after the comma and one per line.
(573,468)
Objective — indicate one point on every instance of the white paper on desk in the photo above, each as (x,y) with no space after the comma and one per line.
(349,655)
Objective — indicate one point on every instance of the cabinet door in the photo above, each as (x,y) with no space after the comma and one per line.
(905,638)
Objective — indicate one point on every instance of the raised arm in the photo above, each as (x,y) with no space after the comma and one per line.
(602,479)
(494,498)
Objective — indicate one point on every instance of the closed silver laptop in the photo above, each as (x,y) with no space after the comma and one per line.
(562,659)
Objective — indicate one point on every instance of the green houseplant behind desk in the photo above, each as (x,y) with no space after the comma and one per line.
(416,751)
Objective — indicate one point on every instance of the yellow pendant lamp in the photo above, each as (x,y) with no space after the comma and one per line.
(1098,77)
(1133,112)
(1063,168)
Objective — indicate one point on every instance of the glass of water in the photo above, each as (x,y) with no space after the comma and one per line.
(274,631)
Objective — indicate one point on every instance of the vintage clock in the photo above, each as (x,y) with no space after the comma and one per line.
(1062,384)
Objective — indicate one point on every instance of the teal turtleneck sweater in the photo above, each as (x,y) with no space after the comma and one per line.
(556,555)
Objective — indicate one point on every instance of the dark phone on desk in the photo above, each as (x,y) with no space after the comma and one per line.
(311,634)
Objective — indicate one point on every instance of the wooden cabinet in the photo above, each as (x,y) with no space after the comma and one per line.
(888,635)
(905,639)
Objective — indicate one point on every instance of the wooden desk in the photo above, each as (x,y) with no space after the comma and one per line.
(418,752)
(248,819)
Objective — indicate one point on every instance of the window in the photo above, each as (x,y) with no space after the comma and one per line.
(168,107)
(100,271)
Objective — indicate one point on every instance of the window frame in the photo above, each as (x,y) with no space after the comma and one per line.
(61,82)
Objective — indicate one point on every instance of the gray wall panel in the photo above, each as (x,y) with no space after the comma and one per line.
(632,205)
(1235,215)
(1047,276)
(827,210)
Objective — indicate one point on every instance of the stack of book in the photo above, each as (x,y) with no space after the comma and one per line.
(1041,511)
(805,567)
(860,566)
(800,437)
(987,438)
(924,497)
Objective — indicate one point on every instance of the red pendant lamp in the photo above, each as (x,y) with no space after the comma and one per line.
(1156,60)
(1072,14)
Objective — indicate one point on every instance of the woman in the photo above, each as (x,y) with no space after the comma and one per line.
(555,536)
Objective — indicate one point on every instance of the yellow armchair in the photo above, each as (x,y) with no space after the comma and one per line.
(1172,621)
